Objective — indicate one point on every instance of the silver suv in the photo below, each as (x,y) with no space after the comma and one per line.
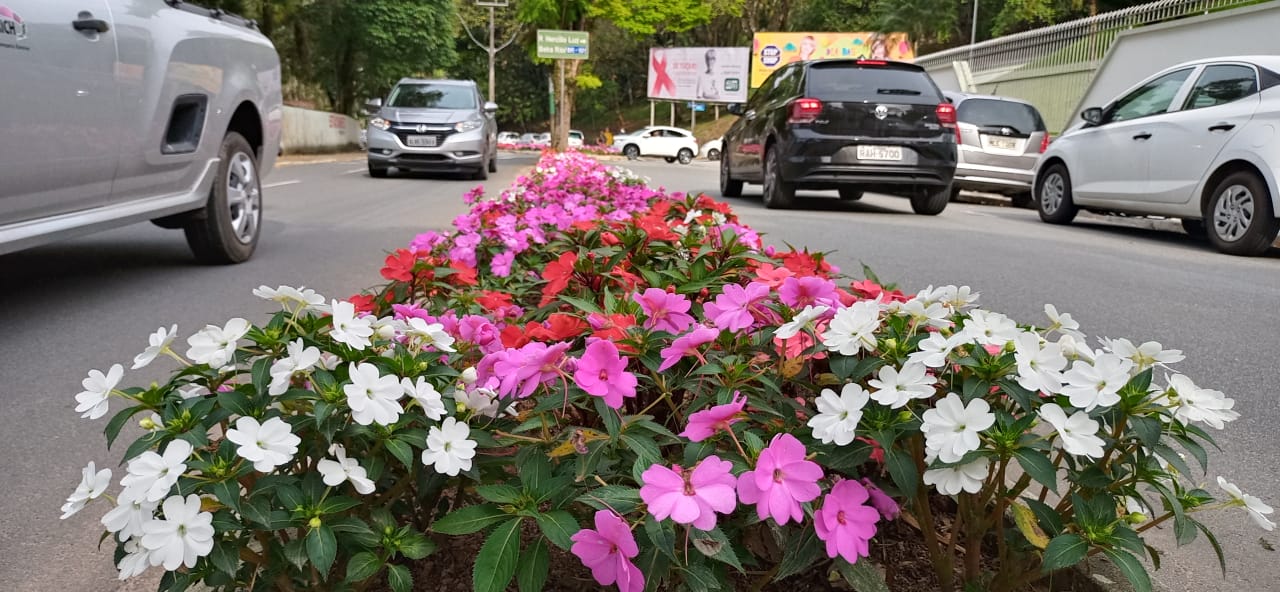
(120,111)
(1000,140)
(433,125)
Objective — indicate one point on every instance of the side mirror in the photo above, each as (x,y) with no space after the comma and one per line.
(1092,115)
(734,108)
(490,107)
(373,106)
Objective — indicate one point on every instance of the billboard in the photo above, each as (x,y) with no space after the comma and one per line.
(771,51)
(711,74)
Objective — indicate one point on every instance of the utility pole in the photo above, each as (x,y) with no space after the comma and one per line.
(490,48)
(973,32)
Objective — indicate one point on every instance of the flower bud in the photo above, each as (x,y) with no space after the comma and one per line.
(386,332)
(315,522)
(469,376)
(147,424)
(1136,518)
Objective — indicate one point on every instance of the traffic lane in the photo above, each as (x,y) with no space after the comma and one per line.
(91,302)
(1117,278)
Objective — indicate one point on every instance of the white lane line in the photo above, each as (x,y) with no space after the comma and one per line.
(354,171)
(281,184)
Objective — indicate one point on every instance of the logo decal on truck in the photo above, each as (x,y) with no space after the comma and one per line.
(13,31)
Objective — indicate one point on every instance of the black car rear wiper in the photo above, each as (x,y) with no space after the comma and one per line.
(896,91)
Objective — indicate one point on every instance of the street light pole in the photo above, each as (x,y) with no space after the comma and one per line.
(493,52)
(490,48)
(973,30)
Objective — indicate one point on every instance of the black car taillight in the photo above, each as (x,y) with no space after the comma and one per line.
(805,111)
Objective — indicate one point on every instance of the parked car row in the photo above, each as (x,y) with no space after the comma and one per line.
(671,143)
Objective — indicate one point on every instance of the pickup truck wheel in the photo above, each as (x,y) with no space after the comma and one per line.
(228,229)
(778,194)
(377,172)
(685,156)
(930,202)
(729,187)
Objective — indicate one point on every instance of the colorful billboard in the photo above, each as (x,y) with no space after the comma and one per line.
(771,51)
(709,74)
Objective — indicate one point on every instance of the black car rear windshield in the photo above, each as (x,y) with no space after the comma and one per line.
(432,96)
(991,113)
(852,82)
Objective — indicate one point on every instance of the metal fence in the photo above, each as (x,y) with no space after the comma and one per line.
(1051,67)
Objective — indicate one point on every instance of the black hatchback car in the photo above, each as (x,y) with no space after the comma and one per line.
(850,125)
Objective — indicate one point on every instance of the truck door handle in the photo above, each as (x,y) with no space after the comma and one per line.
(1142,136)
(1222,126)
(86,22)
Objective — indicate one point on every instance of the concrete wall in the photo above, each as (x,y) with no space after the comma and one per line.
(307,131)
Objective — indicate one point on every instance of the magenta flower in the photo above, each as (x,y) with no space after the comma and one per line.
(608,550)
(687,344)
(690,497)
(880,500)
(705,423)
(732,308)
(522,370)
(501,263)
(808,291)
(781,481)
(603,373)
(667,312)
(845,522)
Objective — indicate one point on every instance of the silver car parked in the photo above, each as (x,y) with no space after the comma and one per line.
(435,126)
(1000,140)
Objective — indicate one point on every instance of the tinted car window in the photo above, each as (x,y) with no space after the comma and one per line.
(992,113)
(1222,84)
(1152,98)
(432,96)
(851,82)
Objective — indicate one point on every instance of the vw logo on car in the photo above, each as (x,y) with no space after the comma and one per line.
(881,112)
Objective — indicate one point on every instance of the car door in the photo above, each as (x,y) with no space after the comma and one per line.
(58,126)
(676,141)
(1185,143)
(1113,157)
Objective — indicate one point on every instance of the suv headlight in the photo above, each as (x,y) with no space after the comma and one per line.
(380,123)
(466,126)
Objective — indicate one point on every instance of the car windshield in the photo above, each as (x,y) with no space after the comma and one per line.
(992,113)
(851,82)
(432,96)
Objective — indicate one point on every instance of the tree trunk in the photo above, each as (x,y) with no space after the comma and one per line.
(267,22)
(566,91)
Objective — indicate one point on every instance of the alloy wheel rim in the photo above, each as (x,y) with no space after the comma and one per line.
(632,152)
(244,198)
(1233,213)
(768,177)
(1051,193)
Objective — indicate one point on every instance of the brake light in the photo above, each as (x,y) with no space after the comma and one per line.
(946,114)
(805,111)
(1044,144)
(872,63)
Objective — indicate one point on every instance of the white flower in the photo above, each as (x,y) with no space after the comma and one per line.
(895,387)
(481,401)
(373,398)
(217,346)
(158,342)
(1192,403)
(426,395)
(469,376)
(150,475)
(838,415)
(1078,433)
(800,321)
(349,329)
(952,480)
(344,469)
(951,428)
(1076,349)
(955,298)
(1062,323)
(388,327)
(136,559)
(1257,510)
(927,314)
(191,391)
(129,515)
(184,535)
(330,361)
(1143,356)
(92,483)
(429,334)
(933,351)
(299,361)
(267,445)
(853,329)
(990,328)
(97,389)
(286,294)
(448,448)
(1039,366)
(1097,384)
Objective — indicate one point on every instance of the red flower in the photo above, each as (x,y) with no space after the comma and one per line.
(559,327)
(584,225)
(773,276)
(612,327)
(610,239)
(657,228)
(463,274)
(363,303)
(491,300)
(514,336)
(399,265)
(630,281)
(866,288)
(804,263)
(557,274)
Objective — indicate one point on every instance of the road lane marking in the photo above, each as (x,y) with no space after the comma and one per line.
(281,184)
(354,171)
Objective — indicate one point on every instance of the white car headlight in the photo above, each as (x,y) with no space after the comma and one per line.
(380,123)
(466,126)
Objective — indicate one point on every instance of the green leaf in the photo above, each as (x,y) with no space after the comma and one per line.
(1173,458)
(1065,550)
(225,557)
(1131,568)
(295,552)
(1213,542)
(700,578)
(415,546)
(469,519)
(581,304)
(535,561)
(646,450)
(337,503)
(559,526)
(257,509)
(402,451)
(261,375)
(1050,520)
(662,534)
(534,470)
(322,548)
(399,578)
(612,424)
(237,402)
(862,576)
(356,530)
(117,423)
(496,562)
(362,565)
(753,441)
(500,494)
(715,545)
(1036,464)
(621,499)
(1147,429)
(903,471)
(228,492)
(799,555)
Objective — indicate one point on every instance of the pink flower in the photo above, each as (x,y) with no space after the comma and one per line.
(883,504)
(690,497)
(732,308)
(687,344)
(608,550)
(705,423)
(522,370)
(603,373)
(808,291)
(845,522)
(667,312)
(781,481)
(501,263)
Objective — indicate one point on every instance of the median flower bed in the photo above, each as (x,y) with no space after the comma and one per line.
(588,368)
(596,149)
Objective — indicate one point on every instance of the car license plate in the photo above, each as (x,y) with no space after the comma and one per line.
(1002,143)
(879,153)
(420,141)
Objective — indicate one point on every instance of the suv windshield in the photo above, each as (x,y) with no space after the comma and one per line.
(991,113)
(432,96)
(852,82)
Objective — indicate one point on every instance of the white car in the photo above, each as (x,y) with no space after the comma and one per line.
(712,149)
(508,138)
(1196,141)
(671,143)
(576,138)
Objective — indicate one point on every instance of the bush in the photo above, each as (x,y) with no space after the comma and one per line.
(623,373)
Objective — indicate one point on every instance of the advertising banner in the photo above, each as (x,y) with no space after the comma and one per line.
(771,51)
(711,74)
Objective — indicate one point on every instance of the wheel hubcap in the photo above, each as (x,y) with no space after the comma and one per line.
(1233,213)
(1051,193)
(244,198)
(632,152)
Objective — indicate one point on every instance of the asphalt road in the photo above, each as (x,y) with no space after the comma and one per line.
(91,302)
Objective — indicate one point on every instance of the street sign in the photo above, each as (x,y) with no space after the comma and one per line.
(697,106)
(563,45)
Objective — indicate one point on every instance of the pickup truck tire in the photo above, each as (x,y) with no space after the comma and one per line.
(227,230)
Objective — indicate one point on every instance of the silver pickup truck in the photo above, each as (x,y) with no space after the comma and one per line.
(120,111)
